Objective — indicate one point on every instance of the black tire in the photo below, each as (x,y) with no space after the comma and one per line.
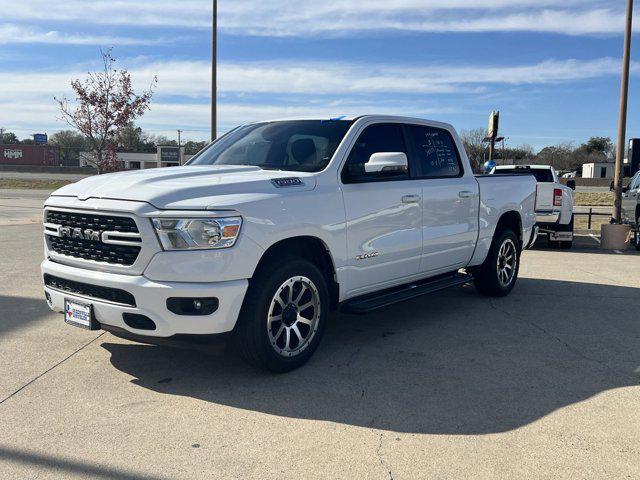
(637,237)
(252,334)
(486,276)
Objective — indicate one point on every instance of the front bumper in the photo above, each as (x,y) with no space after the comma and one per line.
(151,301)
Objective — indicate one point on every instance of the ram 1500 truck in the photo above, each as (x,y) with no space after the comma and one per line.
(275,224)
(554,202)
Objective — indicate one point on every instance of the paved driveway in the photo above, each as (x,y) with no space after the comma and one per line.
(541,384)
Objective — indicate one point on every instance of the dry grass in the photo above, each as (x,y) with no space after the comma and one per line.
(581,222)
(19,183)
(593,199)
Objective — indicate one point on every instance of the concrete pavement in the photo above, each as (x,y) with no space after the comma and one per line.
(19,207)
(43,176)
(541,384)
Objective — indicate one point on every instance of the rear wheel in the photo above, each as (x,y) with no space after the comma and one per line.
(637,238)
(497,276)
(283,315)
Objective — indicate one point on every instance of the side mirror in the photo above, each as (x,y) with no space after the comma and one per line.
(571,184)
(387,162)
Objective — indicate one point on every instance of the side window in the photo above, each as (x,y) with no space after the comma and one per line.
(635,183)
(382,138)
(435,152)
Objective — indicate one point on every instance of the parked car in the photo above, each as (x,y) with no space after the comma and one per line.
(554,202)
(631,206)
(277,223)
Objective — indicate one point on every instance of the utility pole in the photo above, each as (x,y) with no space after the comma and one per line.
(179,148)
(214,72)
(622,120)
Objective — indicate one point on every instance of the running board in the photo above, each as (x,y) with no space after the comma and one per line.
(390,296)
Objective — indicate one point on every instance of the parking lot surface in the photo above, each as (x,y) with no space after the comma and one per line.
(544,383)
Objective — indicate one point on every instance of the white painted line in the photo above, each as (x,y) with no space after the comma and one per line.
(595,237)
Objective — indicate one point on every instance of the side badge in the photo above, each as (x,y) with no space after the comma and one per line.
(364,256)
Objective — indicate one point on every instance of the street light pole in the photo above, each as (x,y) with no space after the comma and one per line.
(214,72)
(622,120)
(179,147)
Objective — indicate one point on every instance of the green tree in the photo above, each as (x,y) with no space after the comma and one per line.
(191,147)
(133,139)
(71,144)
(9,138)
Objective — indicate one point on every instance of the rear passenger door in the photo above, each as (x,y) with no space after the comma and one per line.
(450,200)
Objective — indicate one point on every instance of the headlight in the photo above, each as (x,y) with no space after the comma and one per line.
(197,233)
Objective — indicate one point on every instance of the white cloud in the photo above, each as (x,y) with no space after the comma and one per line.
(316,79)
(254,91)
(335,78)
(335,17)
(13,34)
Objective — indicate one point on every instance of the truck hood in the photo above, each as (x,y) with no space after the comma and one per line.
(189,188)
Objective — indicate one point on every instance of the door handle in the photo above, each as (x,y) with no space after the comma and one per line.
(466,194)
(411,199)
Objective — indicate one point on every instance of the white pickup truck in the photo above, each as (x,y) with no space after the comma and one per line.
(554,202)
(277,223)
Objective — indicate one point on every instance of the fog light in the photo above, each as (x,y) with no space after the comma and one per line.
(192,306)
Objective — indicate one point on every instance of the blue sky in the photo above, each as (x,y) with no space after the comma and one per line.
(551,67)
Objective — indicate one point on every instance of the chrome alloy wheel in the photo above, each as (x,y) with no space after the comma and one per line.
(507,262)
(293,316)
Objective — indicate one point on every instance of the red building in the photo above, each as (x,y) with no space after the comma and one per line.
(46,155)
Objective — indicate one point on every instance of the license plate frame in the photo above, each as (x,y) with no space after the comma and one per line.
(80,314)
(561,236)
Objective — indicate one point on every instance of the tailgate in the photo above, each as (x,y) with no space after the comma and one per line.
(544,196)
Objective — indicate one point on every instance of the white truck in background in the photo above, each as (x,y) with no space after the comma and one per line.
(554,202)
(631,206)
(275,224)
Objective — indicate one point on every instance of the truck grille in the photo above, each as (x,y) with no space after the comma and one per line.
(97,292)
(96,250)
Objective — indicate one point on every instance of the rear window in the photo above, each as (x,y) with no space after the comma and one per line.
(543,175)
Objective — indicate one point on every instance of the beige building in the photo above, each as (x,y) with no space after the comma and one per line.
(598,170)
(165,156)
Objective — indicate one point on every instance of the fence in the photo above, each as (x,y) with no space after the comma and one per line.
(590,214)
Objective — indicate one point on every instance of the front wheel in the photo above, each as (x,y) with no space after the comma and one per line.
(497,276)
(283,315)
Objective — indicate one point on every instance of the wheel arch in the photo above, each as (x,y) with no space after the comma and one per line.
(312,249)
(513,221)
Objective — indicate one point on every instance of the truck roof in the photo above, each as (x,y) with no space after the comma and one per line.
(381,117)
(541,167)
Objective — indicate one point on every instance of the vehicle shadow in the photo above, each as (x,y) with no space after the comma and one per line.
(451,363)
(20,312)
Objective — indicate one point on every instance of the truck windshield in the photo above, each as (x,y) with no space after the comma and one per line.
(543,175)
(299,146)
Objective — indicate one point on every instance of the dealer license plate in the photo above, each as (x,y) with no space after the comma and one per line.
(80,315)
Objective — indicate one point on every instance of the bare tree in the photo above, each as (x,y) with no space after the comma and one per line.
(104,103)
(475,147)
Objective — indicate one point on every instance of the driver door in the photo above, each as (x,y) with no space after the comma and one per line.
(383,215)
